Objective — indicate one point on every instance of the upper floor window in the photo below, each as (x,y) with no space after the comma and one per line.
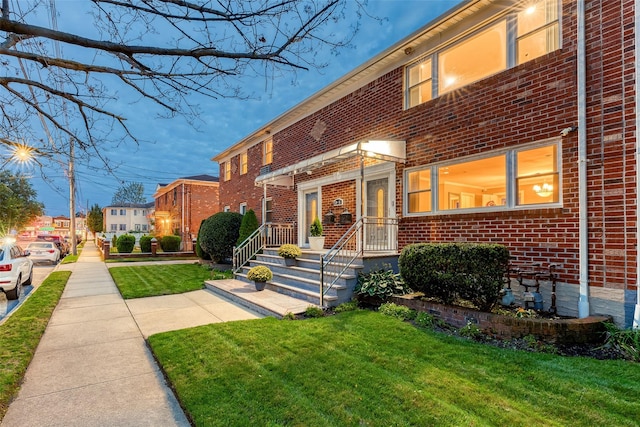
(523,176)
(243,163)
(267,152)
(114,211)
(227,170)
(123,212)
(135,212)
(526,34)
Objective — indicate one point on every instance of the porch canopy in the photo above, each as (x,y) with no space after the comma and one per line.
(391,151)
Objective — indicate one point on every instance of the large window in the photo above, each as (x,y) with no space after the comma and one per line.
(509,179)
(528,33)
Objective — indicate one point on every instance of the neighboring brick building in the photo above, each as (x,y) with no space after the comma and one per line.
(183,204)
(500,121)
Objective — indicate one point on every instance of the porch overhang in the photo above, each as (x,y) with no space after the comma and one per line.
(386,150)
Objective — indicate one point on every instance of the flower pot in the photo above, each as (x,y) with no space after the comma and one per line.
(289,262)
(316,243)
(259,285)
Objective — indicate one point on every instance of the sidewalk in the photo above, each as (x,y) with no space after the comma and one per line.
(92,366)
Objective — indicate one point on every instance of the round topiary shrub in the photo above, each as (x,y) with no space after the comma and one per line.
(219,233)
(170,243)
(125,243)
(145,243)
(199,251)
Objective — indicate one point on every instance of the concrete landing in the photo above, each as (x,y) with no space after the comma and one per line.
(266,302)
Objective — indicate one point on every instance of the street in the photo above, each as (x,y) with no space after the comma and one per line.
(40,272)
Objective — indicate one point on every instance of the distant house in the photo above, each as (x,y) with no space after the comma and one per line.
(58,225)
(181,205)
(506,122)
(128,217)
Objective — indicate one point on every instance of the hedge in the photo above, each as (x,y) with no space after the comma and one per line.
(449,271)
(125,243)
(170,243)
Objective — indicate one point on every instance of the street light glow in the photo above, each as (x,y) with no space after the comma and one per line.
(22,154)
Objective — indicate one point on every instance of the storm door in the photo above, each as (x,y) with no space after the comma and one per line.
(377,227)
(310,212)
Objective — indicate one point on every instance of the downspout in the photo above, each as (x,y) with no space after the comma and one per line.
(583,226)
(636,314)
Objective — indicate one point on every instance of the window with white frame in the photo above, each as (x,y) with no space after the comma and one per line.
(528,175)
(268,210)
(226,209)
(144,227)
(267,152)
(243,208)
(135,212)
(122,227)
(123,212)
(137,227)
(528,33)
(113,227)
(227,170)
(244,163)
(114,211)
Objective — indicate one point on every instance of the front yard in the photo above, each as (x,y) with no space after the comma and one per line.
(362,368)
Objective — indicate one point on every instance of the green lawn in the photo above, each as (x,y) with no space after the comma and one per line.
(21,333)
(362,368)
(153,280)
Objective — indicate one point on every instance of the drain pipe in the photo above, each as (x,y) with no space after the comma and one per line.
(636,314)
(583,301)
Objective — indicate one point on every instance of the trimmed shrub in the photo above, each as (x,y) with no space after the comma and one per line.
(219,233)
(170,243)
(145,243)
(125,243)
(199,251)
(248,226)
(114,241)
(449,271)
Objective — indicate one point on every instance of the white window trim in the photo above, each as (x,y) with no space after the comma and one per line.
(509,16)
(242,206)
(511,182)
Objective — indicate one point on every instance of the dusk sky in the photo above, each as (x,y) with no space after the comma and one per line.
(172,148)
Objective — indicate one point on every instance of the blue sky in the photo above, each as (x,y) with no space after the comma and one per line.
(172,148)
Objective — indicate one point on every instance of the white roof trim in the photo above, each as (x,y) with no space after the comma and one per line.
(391,151)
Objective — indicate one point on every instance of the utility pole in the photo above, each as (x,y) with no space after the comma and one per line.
(72,198)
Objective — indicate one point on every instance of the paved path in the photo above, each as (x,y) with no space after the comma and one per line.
(92,366)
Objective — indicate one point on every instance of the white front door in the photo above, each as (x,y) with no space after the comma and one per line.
(310,212)
(377,212)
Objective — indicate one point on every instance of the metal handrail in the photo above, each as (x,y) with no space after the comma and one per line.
(267,235)
(371,233)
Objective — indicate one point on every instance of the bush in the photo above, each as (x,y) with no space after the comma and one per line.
(449,271)
(381,283)
(170,243)
(199,251)
(312,311)
(219,233)
(125,243)
(248,225)
(114,241)
(289,251)
(145,243)
(346,306)
(624,341)
(260,273)
(399,311)
(315,229)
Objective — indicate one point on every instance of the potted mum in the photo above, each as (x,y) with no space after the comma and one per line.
(289,252)
(316,239)
(260,275)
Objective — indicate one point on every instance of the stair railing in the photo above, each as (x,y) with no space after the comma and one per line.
(340,257)
(267,235)
(370,234)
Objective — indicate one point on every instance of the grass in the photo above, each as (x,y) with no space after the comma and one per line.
(362,368)
(142,259)
(21,333)
(73,258)
(153,280)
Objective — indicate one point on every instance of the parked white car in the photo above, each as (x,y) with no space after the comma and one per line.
(16,268)
(44,251)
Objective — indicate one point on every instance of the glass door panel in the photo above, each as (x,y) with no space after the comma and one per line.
(377,209)
(310,212)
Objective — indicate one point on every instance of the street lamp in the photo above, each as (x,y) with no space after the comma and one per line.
(22,153)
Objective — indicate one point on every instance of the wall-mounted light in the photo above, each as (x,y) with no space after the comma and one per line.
(346,217)
(329,218)
(544,190)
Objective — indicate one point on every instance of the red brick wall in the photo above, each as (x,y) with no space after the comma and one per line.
(200,202)
(529,103)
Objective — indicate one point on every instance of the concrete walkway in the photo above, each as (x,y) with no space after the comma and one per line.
(92,366)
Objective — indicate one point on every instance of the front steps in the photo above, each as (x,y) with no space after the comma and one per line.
(302,281)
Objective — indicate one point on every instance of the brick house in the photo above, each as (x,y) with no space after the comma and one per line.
(181,205)
(508,122)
